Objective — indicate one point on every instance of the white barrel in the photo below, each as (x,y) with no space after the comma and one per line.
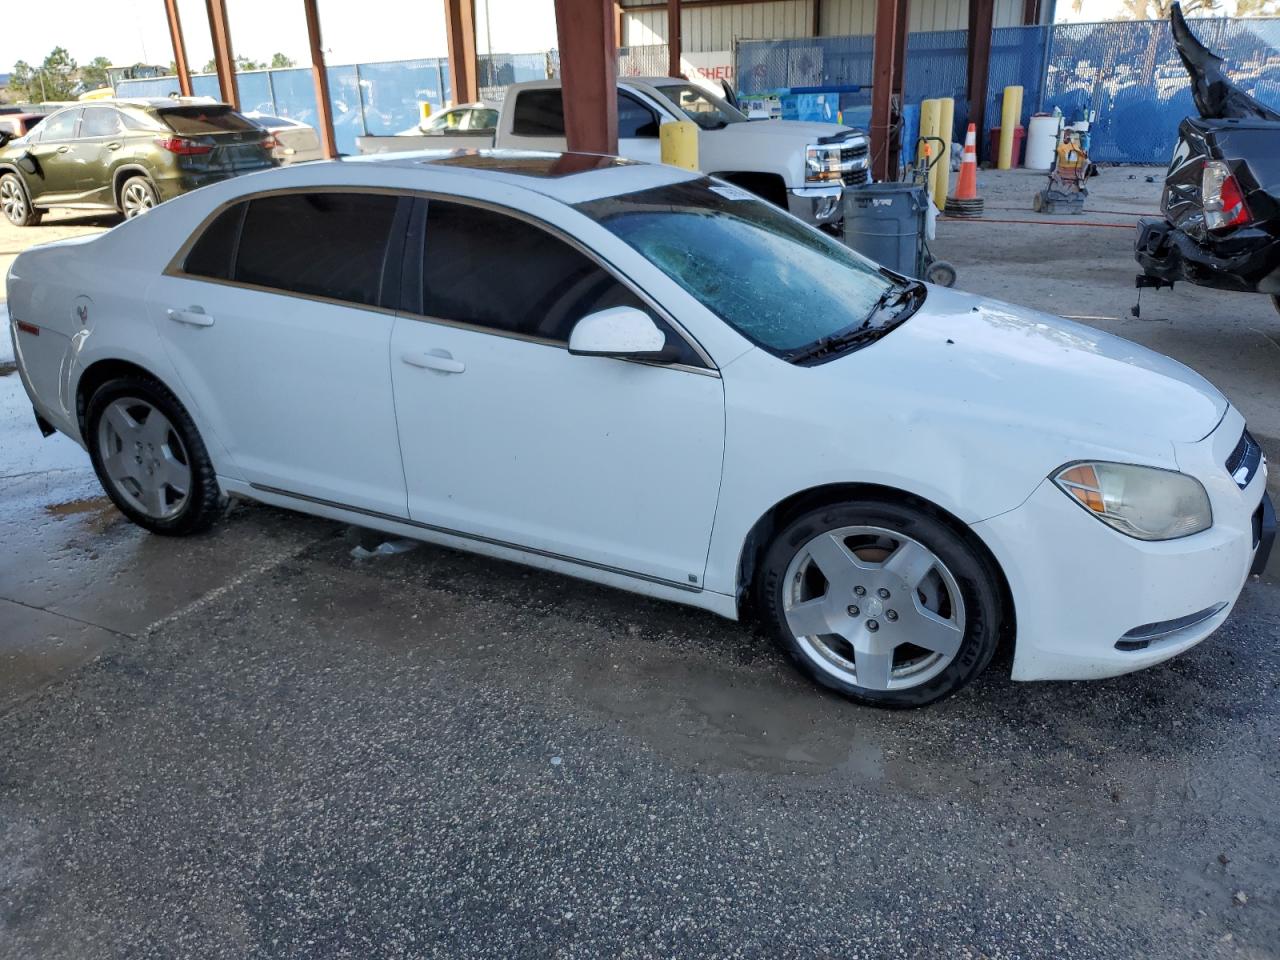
(1042,141)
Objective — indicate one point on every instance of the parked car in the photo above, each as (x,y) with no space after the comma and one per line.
(800,166)
(126,155)
(480,118)
(294,141)
(647,378)
(14,125)
(1221,201)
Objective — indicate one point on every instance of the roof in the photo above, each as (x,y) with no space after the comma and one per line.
(567,177)
(148,102)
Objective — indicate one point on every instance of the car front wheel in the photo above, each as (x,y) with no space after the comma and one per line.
(883,602)
(137,196)
(16,204)
(150,458)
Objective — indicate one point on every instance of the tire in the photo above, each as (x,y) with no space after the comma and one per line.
(135,455)
(942,273)
(872,549)
(137,196)
(16,203)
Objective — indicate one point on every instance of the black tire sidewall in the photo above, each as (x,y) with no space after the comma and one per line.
(204,501)
(977,581)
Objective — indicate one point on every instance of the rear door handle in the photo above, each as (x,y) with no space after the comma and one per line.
(196,317)
(441,360)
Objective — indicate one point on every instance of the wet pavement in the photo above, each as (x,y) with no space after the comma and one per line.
(252,744)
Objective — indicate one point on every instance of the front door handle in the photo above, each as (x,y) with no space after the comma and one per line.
(195,317)
(441,360)
(63,149)
(114,146)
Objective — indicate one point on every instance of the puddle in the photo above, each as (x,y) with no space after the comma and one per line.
(99,511)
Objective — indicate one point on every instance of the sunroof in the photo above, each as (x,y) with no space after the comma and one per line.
(525,164)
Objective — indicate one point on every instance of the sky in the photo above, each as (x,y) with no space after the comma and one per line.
(353,31)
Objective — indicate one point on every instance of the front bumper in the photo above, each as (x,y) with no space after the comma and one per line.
(1083,592)
(816,205)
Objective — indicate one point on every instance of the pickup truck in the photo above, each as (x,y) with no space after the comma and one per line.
(802,167)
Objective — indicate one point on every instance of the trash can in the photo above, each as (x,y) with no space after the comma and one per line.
(885,222)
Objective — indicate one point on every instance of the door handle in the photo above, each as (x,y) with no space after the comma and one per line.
(195,317)
(441,360)
(114,146)
(63,149)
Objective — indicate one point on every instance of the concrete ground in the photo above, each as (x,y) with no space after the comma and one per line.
(252,743)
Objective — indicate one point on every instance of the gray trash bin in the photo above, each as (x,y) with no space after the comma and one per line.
(885,222)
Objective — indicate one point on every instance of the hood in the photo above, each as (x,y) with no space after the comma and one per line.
(1022,366)
(795,130)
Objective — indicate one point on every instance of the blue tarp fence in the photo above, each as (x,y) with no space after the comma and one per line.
(1127,73)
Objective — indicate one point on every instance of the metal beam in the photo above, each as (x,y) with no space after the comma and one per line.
(460,26)
(224,60)
(320,77)
(890,42)
(815,27)
(588,74)
(1030,12)
(981,19)
(673,38)
(179,47)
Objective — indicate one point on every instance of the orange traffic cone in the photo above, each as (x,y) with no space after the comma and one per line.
(965,202)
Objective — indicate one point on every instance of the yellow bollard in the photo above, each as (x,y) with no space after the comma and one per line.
(424,112)
(680,144)
(1010,117)
(941,178)
(928,128)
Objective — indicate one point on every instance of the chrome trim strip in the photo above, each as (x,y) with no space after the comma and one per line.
(491,541)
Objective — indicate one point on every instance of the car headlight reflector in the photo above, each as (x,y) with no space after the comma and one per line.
(1142,502)
(822,163)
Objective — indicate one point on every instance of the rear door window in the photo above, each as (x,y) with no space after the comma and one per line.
(197,120)
(100,122)
(539,113)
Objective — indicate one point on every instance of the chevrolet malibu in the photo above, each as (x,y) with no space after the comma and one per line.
(646,378)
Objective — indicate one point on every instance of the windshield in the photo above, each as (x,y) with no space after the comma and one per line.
(781,284)
(707,111)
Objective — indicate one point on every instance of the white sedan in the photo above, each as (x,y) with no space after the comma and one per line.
(646,378)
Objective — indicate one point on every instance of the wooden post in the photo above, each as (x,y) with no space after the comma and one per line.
(179,48)
(617,24)
(588,74)
(224,60)
(460,25)
(981,18)
(884,163)
(320,77)
(673,38)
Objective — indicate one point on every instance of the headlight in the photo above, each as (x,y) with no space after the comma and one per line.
(1142,502)
(822,163)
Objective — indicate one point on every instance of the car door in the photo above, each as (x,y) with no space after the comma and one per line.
(55,177)
(538,124)
(275,321)
(509,438)
(638,129)
(94,153)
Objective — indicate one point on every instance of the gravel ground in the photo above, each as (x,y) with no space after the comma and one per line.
(252,744)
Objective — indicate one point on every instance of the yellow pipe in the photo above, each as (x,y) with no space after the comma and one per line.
(928,128)
(1010,117)
(680,144)
(941,178)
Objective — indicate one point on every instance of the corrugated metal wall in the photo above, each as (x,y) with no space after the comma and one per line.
(716,28)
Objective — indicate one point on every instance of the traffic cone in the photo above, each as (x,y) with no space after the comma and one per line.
(965,202)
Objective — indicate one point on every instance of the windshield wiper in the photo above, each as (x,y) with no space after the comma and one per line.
(867,330)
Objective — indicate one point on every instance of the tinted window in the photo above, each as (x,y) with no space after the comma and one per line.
(635,119)
(61,126)
(214,253)
(100,122)
(322,244)
(493,270)
(193,121)
(539,113)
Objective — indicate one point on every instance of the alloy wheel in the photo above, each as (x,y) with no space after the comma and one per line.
(873,608)
(136,200)
(13,201)
(144,458)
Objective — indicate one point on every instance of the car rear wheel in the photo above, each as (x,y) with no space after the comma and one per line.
(883,602)
(149,457)
(16,204)
(137,196)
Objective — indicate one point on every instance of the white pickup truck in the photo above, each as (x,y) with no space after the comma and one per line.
(802,167)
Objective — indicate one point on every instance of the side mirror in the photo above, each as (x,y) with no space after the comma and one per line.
(622,332)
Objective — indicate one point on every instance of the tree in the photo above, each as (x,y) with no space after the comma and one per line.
(242,64)
(280,62)
(1159,9)
(54,79)
(93,75)
(1258,8)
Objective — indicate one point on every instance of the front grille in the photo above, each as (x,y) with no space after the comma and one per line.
(855,177)
(853,161)
(1244,460)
